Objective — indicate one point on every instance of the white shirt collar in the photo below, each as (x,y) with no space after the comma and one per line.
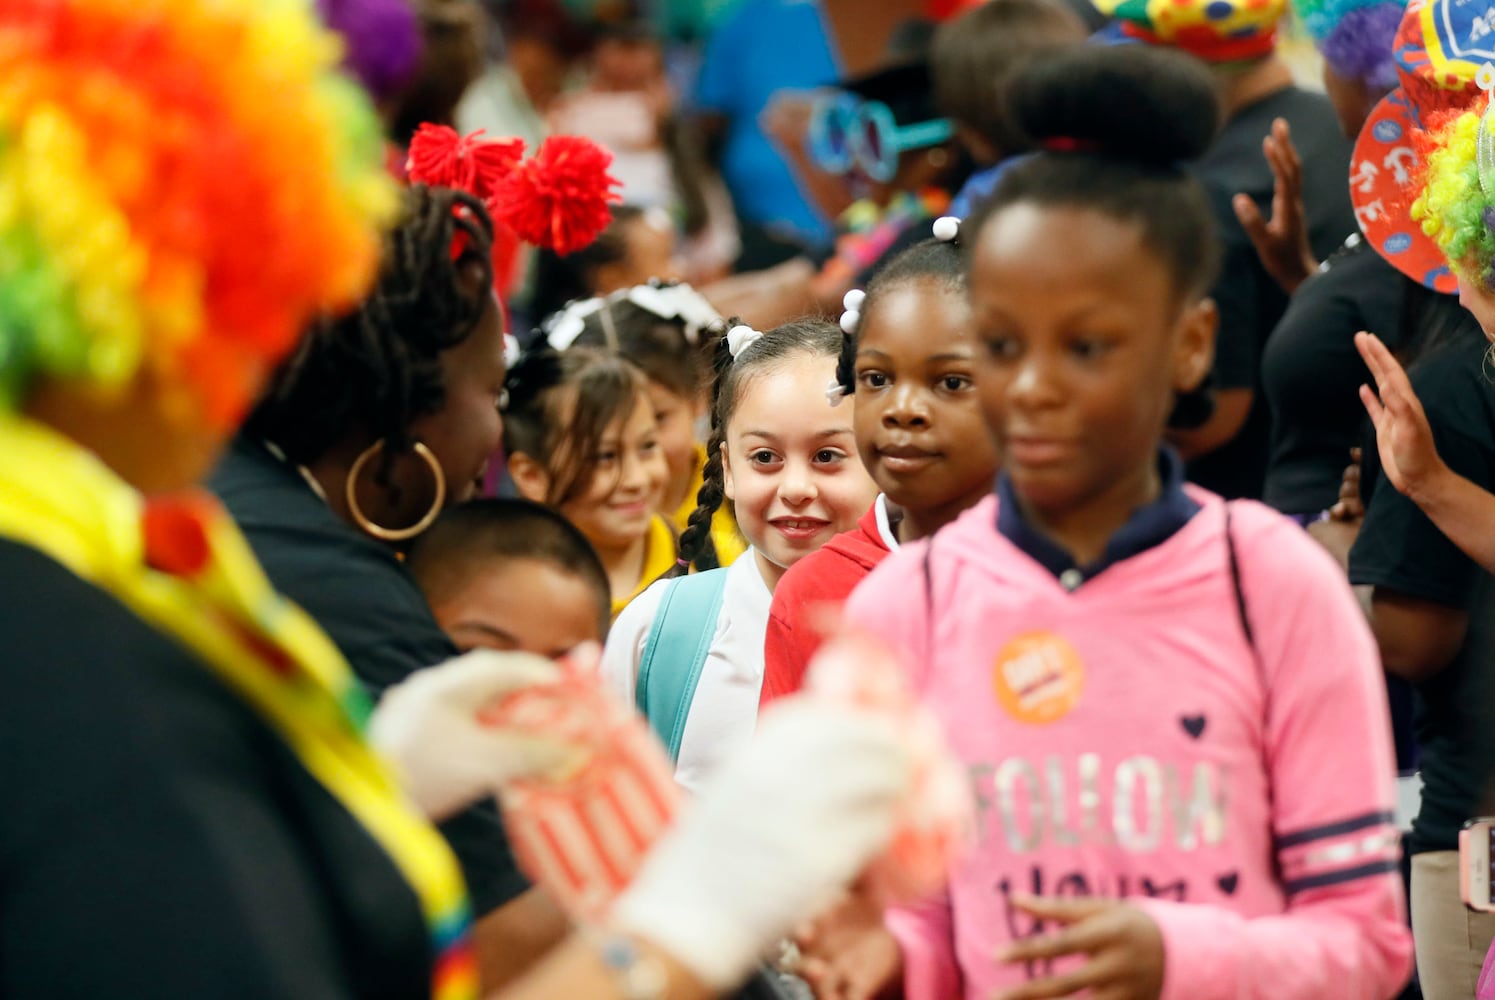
(884,526)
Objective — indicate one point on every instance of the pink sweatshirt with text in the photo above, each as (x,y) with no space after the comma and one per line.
(1126,740)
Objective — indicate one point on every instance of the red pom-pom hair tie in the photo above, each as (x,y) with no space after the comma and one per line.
(559,198)
(473,163)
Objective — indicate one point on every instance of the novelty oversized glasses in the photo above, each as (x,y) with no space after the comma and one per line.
(846,131)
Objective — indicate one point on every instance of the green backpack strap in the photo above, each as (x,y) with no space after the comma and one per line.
(675,652)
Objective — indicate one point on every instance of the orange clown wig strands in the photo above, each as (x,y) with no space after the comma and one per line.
(275,189)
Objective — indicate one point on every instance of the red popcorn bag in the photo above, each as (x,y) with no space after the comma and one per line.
(583,836)
(936,822)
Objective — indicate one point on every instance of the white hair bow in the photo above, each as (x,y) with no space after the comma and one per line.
(740,338)
(835,392)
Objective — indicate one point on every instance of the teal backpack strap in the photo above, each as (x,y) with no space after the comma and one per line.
(675,652)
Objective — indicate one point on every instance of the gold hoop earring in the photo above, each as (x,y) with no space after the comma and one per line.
(378,530)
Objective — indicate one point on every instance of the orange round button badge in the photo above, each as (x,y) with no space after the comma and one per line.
(1038,677)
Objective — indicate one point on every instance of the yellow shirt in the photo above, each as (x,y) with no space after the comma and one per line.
(659,558)
(724,534)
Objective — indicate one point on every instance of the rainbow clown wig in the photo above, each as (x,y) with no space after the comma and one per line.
(183,183)
(1457,204)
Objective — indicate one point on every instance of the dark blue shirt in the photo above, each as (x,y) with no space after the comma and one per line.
(1150,525)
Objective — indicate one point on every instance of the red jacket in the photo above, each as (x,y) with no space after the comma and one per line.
(821,580)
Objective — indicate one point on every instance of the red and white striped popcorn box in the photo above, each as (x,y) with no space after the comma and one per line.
(584,838)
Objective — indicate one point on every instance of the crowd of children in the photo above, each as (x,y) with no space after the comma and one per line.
(1035,360)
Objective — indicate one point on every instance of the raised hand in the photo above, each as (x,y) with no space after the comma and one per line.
(1123,943)
(1404,438)
(1281,241)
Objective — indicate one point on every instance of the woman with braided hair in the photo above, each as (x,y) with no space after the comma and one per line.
(385,416)
(377,422)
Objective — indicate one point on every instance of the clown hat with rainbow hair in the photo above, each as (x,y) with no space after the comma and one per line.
(1438,51)
(182,185)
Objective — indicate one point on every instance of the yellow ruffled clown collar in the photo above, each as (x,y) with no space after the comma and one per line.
(181,565)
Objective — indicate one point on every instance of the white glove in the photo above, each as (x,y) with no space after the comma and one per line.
(778,832)
(427,726)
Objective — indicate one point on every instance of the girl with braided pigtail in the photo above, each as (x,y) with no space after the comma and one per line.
(697,547)
(689,650)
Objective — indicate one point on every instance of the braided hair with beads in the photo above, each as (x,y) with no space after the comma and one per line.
(755,354)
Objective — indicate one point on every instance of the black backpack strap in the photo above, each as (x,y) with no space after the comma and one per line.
(1242,612)
(1235,581)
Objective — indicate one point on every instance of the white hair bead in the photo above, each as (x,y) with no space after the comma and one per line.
(849,320)
(946,228)
(852,301)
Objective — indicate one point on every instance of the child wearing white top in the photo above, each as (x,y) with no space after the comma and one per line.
(689,651)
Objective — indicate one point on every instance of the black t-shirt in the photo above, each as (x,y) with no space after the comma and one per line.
(357,590)
(1250,302)
(1311,374)
(1400,550)
(158,839)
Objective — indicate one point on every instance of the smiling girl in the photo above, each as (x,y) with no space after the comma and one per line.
(908,355)
(580,434)
(1170,707)
(669,331)
(689,651)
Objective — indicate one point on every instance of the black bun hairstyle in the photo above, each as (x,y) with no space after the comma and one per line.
(1143,103)
(1115,127)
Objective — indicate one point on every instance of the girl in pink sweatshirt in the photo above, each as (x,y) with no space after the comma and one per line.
(1170,707)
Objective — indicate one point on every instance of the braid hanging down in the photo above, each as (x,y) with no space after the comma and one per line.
(696,547)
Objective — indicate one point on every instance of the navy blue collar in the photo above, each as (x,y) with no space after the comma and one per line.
(1148,526)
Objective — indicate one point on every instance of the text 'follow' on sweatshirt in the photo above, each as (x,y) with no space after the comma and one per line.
(1124,738)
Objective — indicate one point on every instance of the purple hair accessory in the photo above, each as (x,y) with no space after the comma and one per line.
(1359,46)
(382,40)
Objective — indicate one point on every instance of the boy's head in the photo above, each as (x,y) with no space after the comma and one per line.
(512,575)
(974,54)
